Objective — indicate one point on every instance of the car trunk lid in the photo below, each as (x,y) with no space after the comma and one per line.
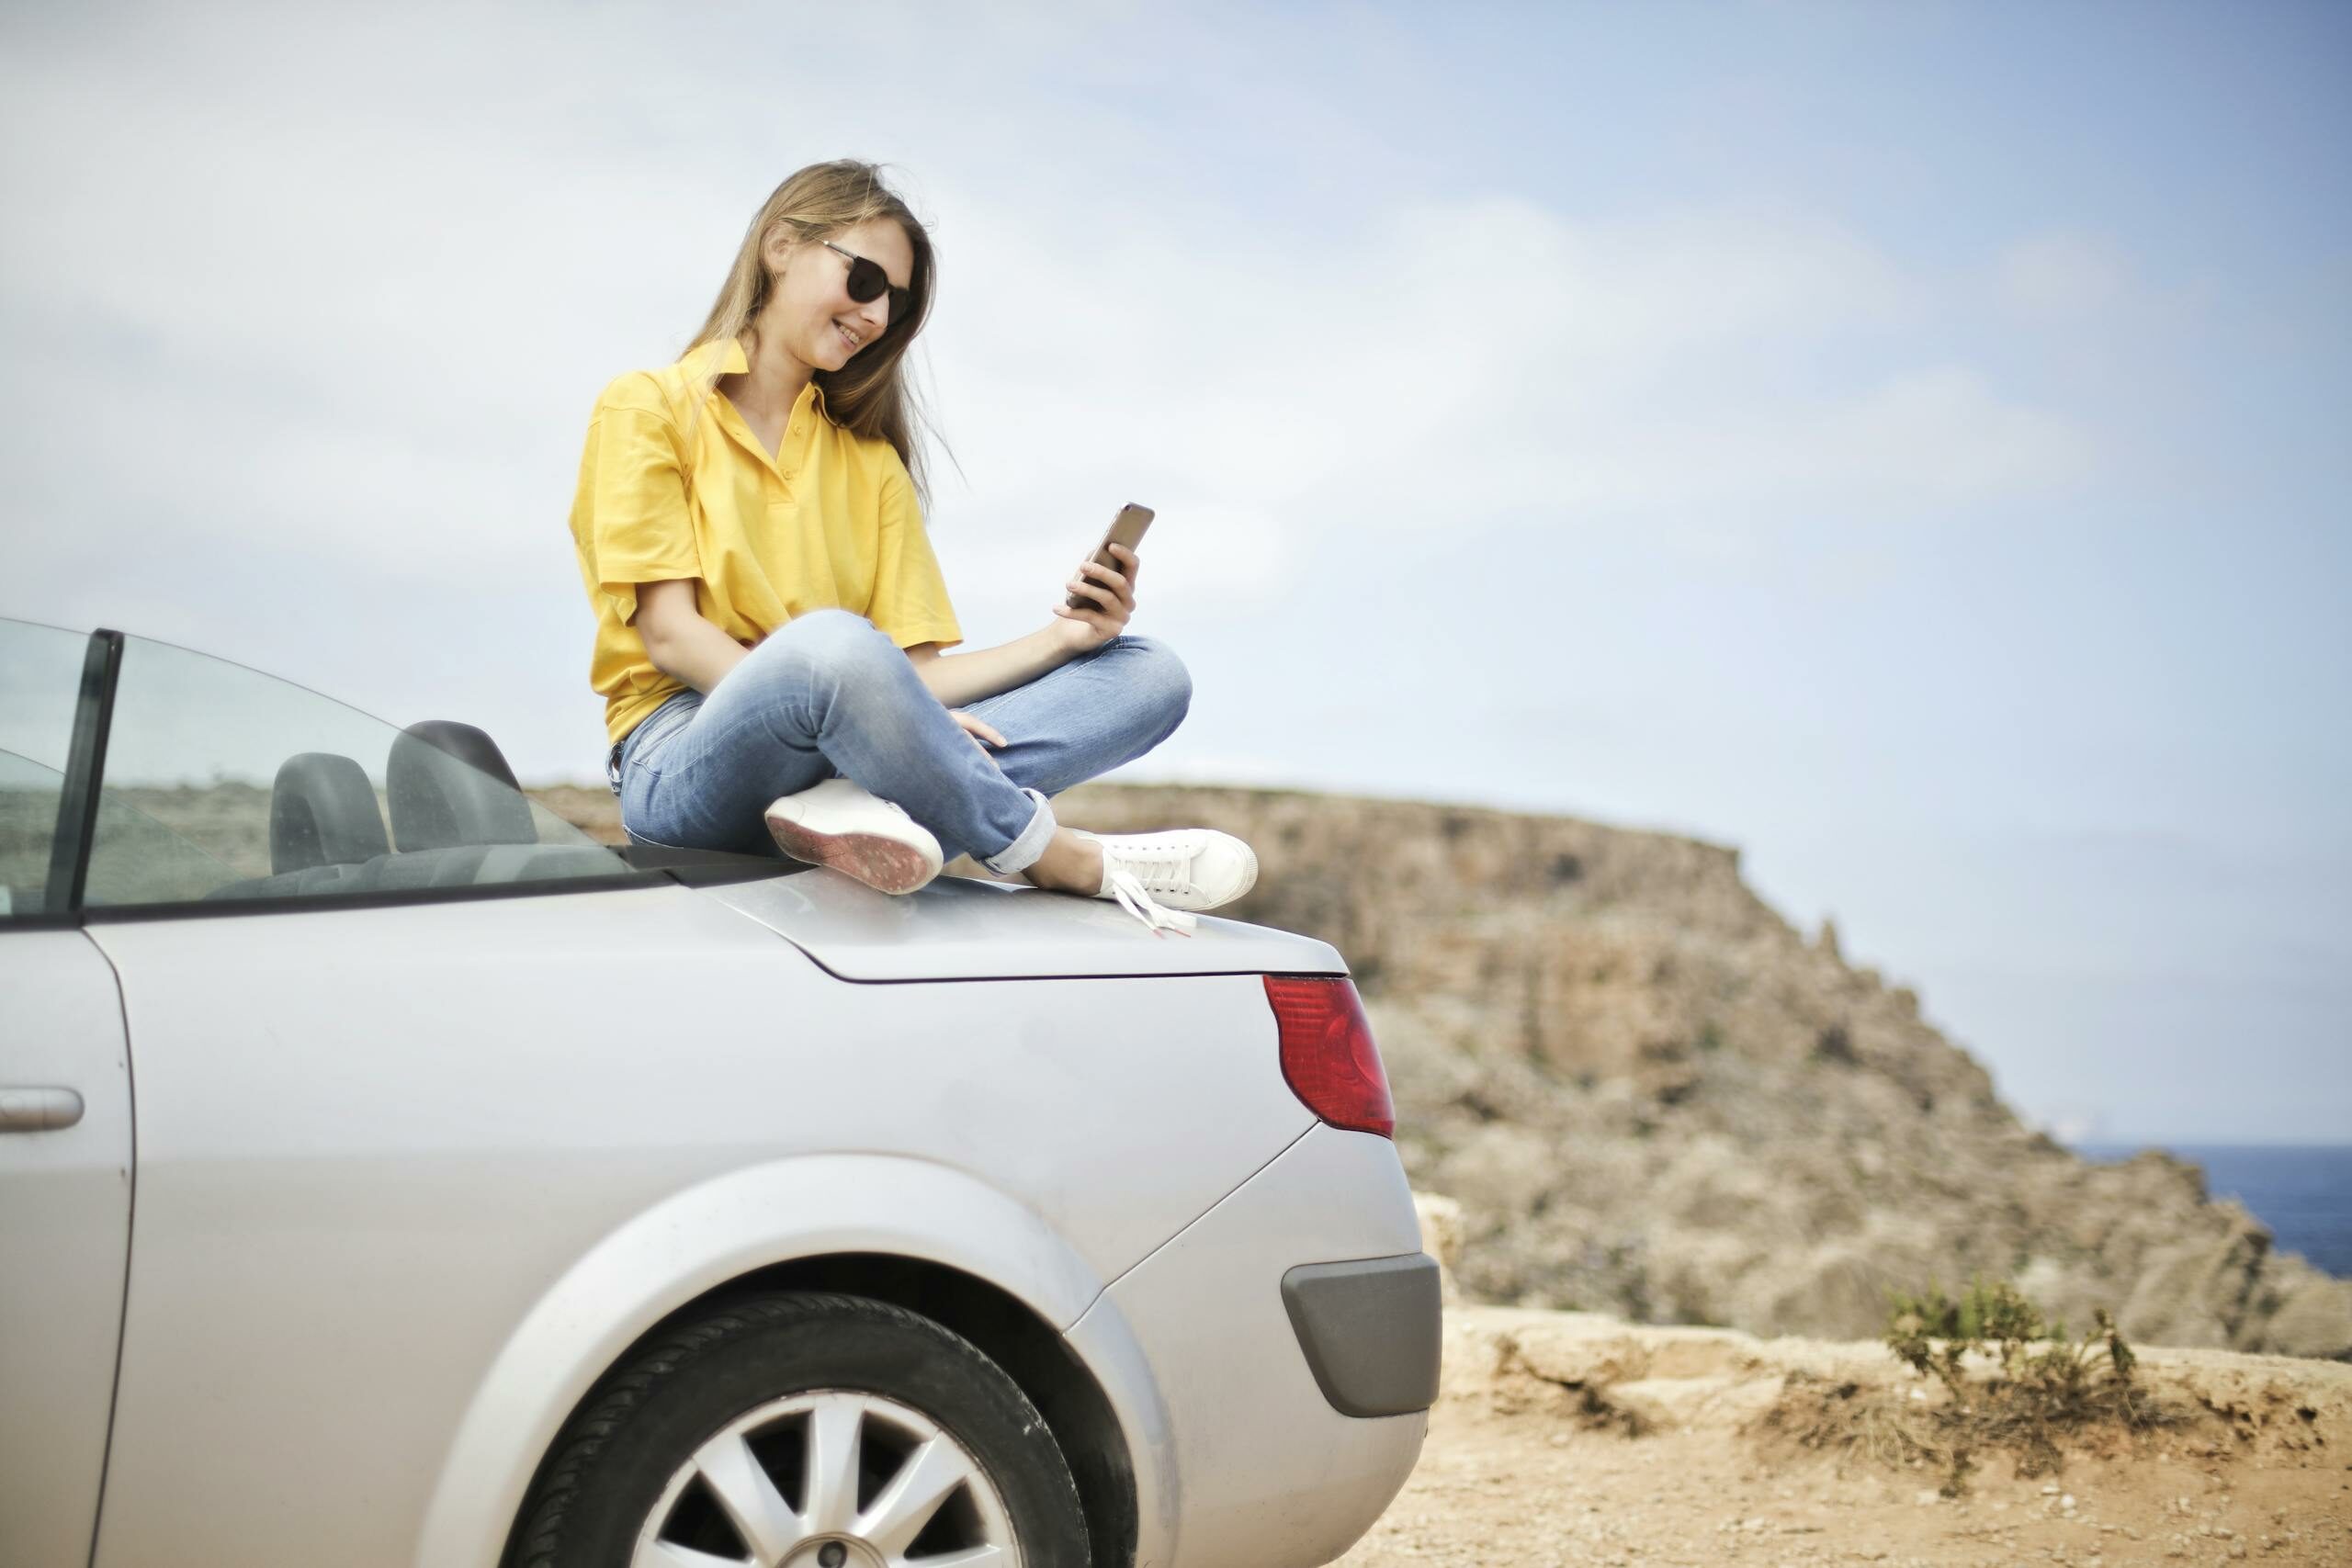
(958,929)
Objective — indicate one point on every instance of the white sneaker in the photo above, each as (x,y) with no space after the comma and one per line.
(1154,877)
(840,825)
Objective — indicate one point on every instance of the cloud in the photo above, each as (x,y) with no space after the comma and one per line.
(1478,359)
(1916,441)
(2063,277)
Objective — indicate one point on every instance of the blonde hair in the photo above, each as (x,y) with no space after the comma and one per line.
(870,396)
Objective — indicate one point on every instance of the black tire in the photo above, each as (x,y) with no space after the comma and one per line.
(646,1420)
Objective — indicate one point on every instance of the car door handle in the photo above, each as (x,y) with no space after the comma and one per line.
(38,1110)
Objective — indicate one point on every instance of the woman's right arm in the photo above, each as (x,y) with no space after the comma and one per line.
(683,645)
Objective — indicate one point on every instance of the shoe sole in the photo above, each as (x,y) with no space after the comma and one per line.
(884,864)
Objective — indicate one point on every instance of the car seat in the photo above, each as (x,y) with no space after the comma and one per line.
(323,812)
(448,784)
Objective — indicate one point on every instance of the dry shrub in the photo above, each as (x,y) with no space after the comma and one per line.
(2012,1384)
(1852,1420)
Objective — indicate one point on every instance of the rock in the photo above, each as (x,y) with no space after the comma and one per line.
(1837,1286)
(1666,1405)
(2198,1293)
(1440,1223)
(2314,1319)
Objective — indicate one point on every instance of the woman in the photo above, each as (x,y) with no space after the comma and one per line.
(771,621)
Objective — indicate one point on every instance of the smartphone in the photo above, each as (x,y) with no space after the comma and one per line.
(1126,529)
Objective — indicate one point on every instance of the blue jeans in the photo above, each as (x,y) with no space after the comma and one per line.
(828,695)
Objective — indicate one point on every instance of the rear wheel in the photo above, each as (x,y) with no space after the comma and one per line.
(806,1431)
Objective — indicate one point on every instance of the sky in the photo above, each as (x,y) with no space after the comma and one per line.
(1891,439)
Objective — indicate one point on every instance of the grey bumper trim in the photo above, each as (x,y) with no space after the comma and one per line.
(1370,1330)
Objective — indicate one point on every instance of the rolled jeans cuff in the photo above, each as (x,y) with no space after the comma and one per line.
(1023,853)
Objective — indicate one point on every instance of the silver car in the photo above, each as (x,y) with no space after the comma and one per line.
(389,1175)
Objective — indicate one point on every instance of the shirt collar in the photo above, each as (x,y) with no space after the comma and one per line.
(726,352)
(732,361)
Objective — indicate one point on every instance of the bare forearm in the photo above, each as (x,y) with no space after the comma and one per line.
(957,679)
(693,650)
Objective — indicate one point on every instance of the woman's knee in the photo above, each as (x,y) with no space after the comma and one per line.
(1159,680)
(832,644)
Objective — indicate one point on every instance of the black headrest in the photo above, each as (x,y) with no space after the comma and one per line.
(448,786)
(323,812)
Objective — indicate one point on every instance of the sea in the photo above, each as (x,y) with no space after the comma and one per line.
(2302,1191)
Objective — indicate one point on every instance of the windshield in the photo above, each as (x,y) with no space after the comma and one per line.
(222,783)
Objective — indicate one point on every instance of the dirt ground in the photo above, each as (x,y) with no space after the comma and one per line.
(1566,1438)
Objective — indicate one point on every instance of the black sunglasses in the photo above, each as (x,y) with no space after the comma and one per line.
(867,281)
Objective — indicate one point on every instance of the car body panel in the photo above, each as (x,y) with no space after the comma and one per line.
(65,1197)
(374,1142)
(1266,1472)
(963,928)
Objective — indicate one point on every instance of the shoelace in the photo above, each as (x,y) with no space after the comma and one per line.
(1136,870)
(1163,866)
(1137,901)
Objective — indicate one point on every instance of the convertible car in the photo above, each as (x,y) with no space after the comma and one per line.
(391,1175)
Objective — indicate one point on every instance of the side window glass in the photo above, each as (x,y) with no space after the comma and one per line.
(223,783)
(40,682)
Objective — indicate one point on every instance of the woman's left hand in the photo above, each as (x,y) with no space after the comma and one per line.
(1114,596)
(984,734)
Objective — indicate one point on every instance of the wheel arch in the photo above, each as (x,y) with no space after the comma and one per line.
(924,1236)
(1008,1331)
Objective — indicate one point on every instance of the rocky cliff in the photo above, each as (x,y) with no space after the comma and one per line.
(1654,1097)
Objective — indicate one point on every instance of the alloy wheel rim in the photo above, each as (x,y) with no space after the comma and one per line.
(833,1478)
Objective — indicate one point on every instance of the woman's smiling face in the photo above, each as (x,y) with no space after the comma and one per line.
(810,311)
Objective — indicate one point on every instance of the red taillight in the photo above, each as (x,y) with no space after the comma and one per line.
(1327,1054)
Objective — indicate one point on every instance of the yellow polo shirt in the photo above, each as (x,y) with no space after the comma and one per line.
(829,522)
